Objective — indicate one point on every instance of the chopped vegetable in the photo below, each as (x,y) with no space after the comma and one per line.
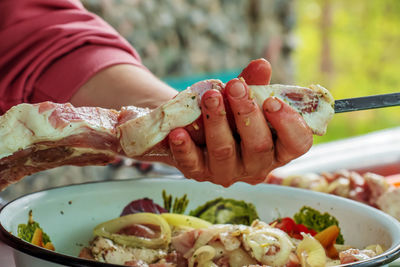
(37,238)
(226,211)
(181,220)
(179,205)
(327,238)
(142,205)
(310,252)
(317,221)
(118,230)
(49,246)
(203,256)
(33,233)
(293,229)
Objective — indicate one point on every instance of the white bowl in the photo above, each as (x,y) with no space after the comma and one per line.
(69,214)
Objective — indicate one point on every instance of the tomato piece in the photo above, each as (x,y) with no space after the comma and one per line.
(297,236)
(289,226)
(286,224)
(301,228)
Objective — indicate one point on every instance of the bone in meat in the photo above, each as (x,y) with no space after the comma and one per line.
(36,137)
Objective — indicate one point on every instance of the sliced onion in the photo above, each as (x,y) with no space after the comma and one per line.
(110,229)
(229,241)
(376,248)
(203,256)
(310,252)
(253,241)
(181,220)
(239,258)
(206,236)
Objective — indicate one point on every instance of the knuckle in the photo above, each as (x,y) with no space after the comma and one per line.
(246,108)
(223,153)
(187,163)
(302,148)
(257,172)
(284,158)
(181,151)
(215,119)
(259,169)
(263,147)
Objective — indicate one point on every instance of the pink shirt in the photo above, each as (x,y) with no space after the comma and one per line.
(49,48)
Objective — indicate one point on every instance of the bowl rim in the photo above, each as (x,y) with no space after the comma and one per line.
(67,260)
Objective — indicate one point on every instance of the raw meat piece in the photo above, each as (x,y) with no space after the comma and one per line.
(139,135)
(315,103)
(47,135)
(36,137)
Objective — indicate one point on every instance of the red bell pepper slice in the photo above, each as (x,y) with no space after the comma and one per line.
(294,230)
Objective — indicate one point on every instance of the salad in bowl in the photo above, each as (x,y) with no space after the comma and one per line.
(132,223)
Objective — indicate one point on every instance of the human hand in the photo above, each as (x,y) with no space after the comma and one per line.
(249,150)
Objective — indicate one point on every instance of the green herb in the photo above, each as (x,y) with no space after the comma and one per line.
(25,231)
(178,206)
(226,211)
(167,201)
(317,221)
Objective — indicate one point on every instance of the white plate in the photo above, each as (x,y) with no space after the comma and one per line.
(69,214)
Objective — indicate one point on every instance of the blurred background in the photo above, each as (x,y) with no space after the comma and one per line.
(349,47)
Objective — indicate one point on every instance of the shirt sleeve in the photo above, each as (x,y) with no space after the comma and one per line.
(51,48)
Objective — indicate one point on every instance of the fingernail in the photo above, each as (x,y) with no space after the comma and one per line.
(272,105)
(211,102)
(178,138)
(237,90)
(177,142)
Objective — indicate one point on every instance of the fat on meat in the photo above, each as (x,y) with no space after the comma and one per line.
(139,135)
(47,135)
(36,137)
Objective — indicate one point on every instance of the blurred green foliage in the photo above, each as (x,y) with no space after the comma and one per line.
(353,49)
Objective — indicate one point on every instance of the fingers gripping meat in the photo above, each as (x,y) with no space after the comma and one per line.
(139,135)
(35,137)
(315,103)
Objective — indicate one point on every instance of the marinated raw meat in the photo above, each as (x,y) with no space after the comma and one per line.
(35,137)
